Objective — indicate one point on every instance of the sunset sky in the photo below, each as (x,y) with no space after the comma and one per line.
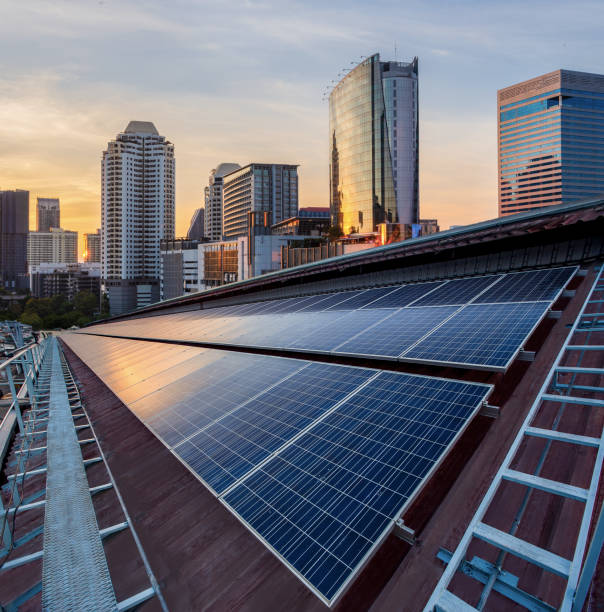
(243,81)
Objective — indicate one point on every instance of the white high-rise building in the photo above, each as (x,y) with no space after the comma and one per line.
(213,200)
(137,213)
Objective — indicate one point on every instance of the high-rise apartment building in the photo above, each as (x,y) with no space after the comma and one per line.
(48,214)
(213,200)
(92,247)
(551,141)
(137,194)
(197,227)
(259,188)
(55,246)
(373,139)
(14,227)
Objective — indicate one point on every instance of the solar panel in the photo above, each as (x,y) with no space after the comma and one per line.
(326,337)
(392,336)
(532,286)
(231,446)
(402,295)
(487,335)
(457,292)
(326,499)
(368,296)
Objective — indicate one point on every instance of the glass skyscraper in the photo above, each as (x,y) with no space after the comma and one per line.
(551,141)
(373,137)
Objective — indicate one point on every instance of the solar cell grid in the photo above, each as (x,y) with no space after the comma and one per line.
(532,286)
(366,297)
(228,448)
(403,295)
(393,335)
(487,335)
(457,292)
(324,500)
(331,334)
(333,299)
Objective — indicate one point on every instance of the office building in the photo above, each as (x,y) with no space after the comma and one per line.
(55,246)
(48,214)
(14,227)
(197,227)
(271,189)
(428,227)
(551,141)
(310,221)
(213,200)
(92,248)
(68,279)
(179,267)
(373,139)
(137,213)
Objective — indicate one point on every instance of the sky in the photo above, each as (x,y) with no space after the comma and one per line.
(243,81)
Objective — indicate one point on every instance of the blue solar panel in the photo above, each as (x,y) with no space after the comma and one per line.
(325,500)
(333,299)
(533,286)
(402,295)
(486,335)
(457,292)
(230,447)
(178,410)
(326,337)
(392,336)
(366,297)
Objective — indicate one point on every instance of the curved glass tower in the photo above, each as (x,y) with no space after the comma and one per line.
(373,128)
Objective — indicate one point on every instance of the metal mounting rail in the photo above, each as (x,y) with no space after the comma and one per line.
(576,571)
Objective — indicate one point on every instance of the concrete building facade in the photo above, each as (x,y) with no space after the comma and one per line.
(271,189)
(137,213)
(213,200)
(54,246)
(92,252)
(68,279)
(48,214)
(374,152)
(197,227)
(550,141)
(14,227)
(179,267)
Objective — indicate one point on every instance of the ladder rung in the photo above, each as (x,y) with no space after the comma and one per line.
(544,484)
(529,552)
(135,600)
(585,347)
(578,370)
(451,603)
(22,560)
(569,399)
(550,434)
(113,529)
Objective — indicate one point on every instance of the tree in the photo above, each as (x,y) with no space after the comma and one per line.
(31,318)
(86,302)
(334,232)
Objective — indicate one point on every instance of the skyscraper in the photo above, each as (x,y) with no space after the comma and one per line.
(137,212)
(92,248)
(14,227)
(551,140)
(258,188)
(48,214)
(197,227)
(213,200)
(55,246)
(373,138)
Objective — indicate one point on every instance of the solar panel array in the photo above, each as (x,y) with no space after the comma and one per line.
(471,322)
(318,460)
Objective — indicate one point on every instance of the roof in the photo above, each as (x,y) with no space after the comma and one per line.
(445,244)
(141,127)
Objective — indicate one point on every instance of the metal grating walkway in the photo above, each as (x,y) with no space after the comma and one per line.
(75,575)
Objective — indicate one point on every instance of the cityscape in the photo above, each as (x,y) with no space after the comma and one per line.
(352,359)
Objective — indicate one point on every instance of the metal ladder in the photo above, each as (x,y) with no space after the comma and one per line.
(578,574)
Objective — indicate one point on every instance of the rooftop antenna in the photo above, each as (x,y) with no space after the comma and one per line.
(395,51)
